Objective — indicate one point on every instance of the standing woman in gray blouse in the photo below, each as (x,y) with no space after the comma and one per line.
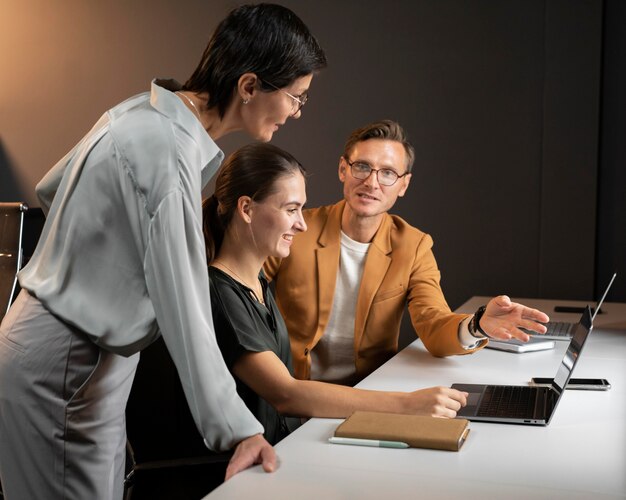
(121,260)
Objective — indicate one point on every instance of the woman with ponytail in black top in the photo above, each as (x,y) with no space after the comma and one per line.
(255,213)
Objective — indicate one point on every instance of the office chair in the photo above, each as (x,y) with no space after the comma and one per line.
(11,251)
(165,454)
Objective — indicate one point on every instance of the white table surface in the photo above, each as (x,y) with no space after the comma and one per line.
(580,455)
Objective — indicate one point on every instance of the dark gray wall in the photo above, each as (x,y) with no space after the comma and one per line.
(611,233)
(502,100)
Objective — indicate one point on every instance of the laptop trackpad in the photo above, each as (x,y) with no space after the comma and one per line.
(473,398)
(474,395)
(469,410)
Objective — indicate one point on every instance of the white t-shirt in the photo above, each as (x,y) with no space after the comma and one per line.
(332,359)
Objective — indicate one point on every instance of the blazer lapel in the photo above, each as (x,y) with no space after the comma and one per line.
(376,265)
(327,260)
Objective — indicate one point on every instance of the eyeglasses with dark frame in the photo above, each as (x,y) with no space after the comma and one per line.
(385,176)
(296,103)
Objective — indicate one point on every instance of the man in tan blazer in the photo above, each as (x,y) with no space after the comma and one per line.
(344,287)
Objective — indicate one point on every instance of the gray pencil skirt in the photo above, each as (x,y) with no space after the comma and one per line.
(62,408)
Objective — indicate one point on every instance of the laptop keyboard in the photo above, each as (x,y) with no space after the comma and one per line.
(560,328)
(555,328)
(507,401)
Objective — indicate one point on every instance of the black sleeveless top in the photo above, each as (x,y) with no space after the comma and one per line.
(242,325)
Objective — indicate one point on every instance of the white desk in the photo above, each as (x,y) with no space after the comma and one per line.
(580,455)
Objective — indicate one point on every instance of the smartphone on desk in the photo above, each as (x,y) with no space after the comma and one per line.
(575,309)
(585,384)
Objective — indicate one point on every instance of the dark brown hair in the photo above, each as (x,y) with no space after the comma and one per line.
(250,171)
(265,39)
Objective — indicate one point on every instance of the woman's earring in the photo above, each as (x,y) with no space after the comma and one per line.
(245,101)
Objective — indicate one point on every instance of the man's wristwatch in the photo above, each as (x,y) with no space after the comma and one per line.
(474,325)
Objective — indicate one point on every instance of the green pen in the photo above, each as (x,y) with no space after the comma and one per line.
(368,442)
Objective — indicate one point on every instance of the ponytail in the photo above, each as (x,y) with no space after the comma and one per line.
(212,228)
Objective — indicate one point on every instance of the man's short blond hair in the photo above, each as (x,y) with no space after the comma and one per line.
(384,129)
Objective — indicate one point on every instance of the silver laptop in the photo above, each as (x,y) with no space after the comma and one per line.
(525,404)
(562,330)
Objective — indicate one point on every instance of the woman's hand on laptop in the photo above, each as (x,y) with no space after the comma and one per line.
(435,402)
(503,319)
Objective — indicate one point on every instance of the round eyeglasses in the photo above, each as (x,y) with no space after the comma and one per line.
(385,176)
(296,101)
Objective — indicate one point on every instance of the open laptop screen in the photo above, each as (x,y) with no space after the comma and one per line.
(581,332)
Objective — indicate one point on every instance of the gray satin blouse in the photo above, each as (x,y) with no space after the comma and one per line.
(122,254)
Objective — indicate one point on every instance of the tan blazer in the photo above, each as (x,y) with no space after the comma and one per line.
(400,269)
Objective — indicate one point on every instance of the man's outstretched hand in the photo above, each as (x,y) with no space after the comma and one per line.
(503,318)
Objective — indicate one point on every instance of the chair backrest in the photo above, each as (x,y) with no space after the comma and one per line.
(165,454)
(159,424)
(11,252)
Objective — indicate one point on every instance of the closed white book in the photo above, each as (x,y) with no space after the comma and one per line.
(514,345)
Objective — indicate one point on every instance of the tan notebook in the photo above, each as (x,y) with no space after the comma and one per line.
(415,430)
